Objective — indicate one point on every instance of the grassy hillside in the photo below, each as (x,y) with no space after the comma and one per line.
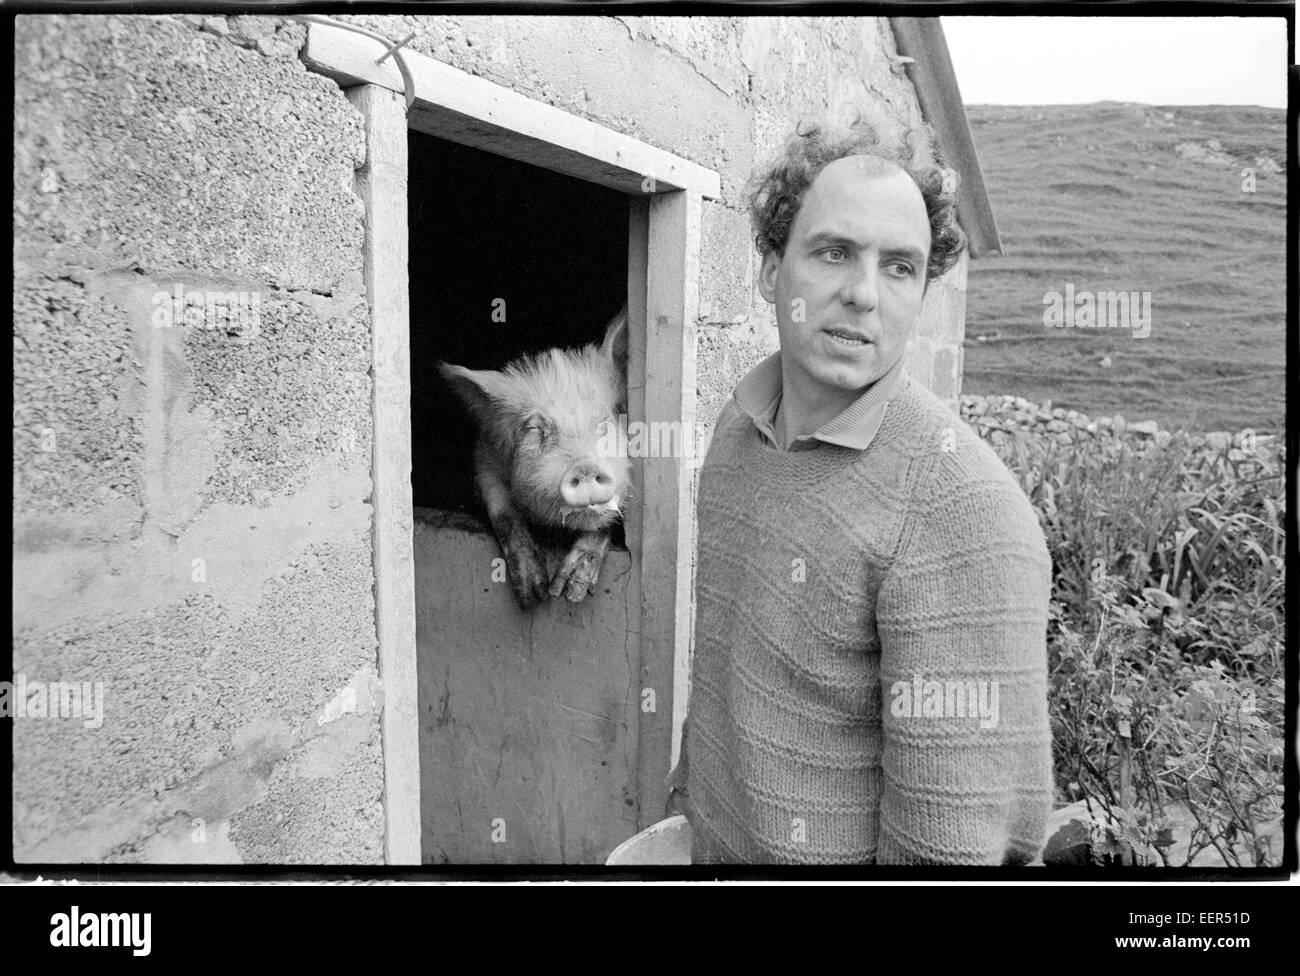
(1135,198)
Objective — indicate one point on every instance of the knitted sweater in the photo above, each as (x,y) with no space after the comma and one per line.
(869,680)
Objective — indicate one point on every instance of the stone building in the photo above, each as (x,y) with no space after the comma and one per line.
(243,632)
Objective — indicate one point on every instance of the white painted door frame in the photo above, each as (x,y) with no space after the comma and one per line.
(665,202)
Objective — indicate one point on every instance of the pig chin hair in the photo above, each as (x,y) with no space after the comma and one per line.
(585,520)
(546,508)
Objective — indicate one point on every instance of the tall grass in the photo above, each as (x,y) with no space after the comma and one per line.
(1166,637)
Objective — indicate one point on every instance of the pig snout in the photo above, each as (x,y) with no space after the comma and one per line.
(587,483)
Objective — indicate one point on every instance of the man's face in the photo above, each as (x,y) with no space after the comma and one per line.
(849,287)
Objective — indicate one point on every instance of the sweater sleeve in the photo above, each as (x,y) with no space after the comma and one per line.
(962,617)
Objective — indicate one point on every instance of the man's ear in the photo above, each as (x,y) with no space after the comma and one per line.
(767,276)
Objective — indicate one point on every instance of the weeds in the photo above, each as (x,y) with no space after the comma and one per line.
(1166,639)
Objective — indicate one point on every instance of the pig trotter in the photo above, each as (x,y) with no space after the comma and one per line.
(525,564)
(577,575)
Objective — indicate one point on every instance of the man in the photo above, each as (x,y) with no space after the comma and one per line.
(869,674)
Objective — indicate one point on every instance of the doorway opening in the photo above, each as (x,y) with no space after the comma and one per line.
(527,752)
(505,259)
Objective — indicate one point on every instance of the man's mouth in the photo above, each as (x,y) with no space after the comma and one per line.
(847,338)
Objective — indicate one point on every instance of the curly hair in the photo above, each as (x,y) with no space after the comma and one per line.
(776,193)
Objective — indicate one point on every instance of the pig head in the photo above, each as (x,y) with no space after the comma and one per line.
(551,486)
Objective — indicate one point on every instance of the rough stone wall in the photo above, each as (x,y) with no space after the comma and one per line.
(191,504)
(191,516)
(935,355)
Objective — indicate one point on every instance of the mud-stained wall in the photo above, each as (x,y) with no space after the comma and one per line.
(191,473)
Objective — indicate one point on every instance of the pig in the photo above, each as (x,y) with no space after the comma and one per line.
(544,422)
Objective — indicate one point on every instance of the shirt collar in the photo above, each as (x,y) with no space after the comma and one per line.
(759,396)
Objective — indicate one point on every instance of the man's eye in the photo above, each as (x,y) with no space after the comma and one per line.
(902,269)
(834,250)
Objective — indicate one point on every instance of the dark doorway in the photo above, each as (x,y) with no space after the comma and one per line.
(528,720)
(484,230)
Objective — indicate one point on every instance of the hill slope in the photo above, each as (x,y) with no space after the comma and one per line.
(1138,198)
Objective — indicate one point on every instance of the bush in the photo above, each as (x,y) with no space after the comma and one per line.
(1166,635)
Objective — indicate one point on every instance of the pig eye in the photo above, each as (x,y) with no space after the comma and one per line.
(535,425)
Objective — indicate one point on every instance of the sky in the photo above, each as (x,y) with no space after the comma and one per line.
(1154,60)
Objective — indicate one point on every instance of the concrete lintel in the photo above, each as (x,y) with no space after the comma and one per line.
(452,104)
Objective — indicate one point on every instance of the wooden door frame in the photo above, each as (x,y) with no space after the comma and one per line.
(665,204)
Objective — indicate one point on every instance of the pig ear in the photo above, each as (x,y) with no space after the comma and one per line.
(477,387)
(615,343)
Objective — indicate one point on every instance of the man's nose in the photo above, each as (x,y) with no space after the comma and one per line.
(863,288)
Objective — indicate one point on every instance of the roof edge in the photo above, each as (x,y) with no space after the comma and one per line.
(921,39)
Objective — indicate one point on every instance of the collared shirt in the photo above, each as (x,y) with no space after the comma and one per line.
(759,396)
